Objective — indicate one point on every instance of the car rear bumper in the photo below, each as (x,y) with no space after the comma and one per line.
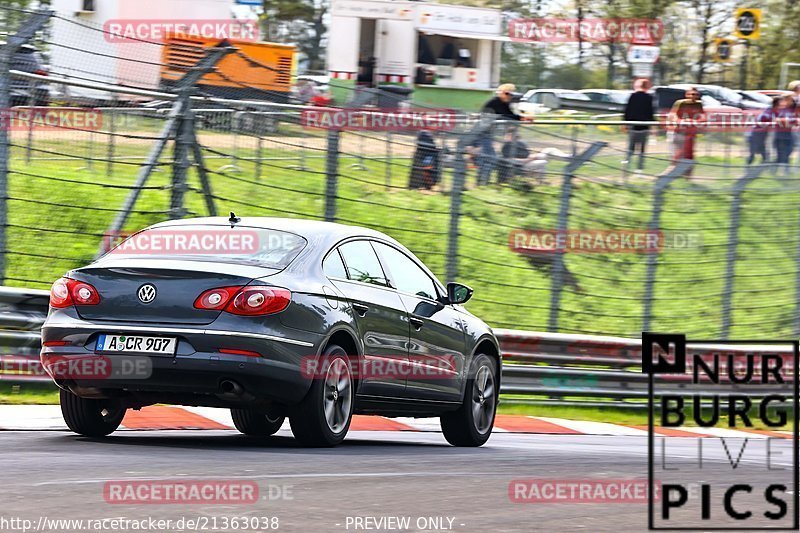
(198,374)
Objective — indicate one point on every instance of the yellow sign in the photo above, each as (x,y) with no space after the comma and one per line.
(748,23)
(723,50)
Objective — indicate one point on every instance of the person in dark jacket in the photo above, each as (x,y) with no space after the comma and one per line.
(498,108)
(639,109)
(757,135)
(501,103)
(785,118)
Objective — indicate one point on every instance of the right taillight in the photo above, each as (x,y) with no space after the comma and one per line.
(66,292)
(250,300)
(259,301)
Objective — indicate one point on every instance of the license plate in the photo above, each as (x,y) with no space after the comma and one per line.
(136,344)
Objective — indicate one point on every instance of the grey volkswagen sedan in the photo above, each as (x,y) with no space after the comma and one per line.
(270,318)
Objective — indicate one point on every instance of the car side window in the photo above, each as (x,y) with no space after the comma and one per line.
(333,266)
(406,274)
(361,263)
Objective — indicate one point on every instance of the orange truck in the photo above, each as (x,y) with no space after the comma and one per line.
(254,71)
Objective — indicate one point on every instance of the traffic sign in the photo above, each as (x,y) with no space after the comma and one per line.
(748,23)
(642,70)
(723,50)
(638,53)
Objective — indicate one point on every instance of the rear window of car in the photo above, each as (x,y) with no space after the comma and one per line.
(246,245)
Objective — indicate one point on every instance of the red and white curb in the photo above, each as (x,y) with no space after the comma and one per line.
(158,417)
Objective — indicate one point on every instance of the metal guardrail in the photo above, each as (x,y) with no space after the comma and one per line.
(538,368)
(588,370)
(22,312)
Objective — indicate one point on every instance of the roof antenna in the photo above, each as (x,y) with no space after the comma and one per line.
(234,219)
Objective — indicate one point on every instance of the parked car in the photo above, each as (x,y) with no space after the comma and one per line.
(755,100)
(608,96)
(723,95)
(310,320)
(665,97)
(537,101)
(25,92)
(774,92)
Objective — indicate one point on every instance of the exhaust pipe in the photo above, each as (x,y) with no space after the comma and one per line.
(231,388)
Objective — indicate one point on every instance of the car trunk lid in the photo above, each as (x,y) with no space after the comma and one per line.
(177,285)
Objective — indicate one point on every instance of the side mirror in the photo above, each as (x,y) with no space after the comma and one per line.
(458,293)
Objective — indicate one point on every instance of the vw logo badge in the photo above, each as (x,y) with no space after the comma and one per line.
(146,293)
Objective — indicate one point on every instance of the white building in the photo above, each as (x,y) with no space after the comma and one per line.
(438,46)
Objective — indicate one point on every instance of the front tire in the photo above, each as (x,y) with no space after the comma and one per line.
(471,424)
(92,418)
(255,423)
(323,417)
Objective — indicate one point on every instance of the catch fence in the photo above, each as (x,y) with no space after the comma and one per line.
(726,265)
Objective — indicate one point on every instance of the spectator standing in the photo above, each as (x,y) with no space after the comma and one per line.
(686,114)
(639,109)
(794,86)
(757,136)
(498,108)
(785,121)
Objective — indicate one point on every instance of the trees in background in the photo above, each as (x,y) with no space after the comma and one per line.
(299,22)
(686,50)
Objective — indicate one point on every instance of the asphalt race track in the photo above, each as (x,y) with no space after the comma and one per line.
(59,475)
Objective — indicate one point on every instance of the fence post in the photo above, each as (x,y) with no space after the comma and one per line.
(112,134)
(662,183)
(459,178)
(557,278)
(174,128)
(26,31)
(180,163)
(733,243)
(331,175)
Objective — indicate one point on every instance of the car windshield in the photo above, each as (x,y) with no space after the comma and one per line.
(245,245)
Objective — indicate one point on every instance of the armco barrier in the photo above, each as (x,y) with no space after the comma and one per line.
(22,312)
(538,368)
(587,370)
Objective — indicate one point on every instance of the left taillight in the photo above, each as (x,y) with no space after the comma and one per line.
(66,292)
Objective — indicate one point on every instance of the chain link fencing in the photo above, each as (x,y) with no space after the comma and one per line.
(475,201)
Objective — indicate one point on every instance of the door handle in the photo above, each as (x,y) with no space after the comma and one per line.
(361,309)
(416,322)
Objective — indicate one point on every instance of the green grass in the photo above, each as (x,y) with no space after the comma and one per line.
(626,417)
(60,210)
(632,417)
(28,394)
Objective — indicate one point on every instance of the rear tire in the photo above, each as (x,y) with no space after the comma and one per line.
(92,418)
(323,417)
(471,424)
(255,423)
